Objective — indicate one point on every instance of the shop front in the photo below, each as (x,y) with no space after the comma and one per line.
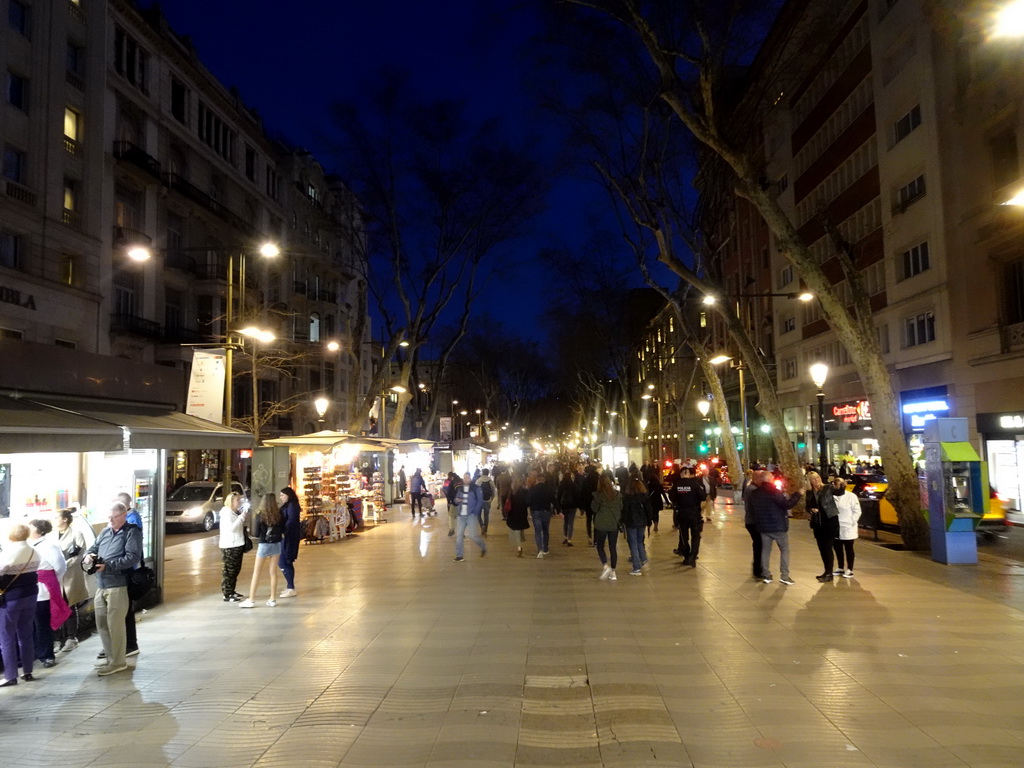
(62,452)
(849,432)
(1003,437)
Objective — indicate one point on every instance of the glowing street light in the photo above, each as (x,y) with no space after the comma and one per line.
(139,253)
(1009,21)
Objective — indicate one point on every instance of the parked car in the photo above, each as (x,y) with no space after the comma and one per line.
(197,505)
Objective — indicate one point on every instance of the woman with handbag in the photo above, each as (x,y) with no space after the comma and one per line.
(19,589)
(824,522)
(269,534)
(73,544)
(233,539)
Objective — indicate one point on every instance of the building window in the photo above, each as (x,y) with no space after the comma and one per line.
(1015,292)
(273,188)
(10,333)
(72,127)
(75,58)
(783,183)
(882,336)
(125,292)
(69,269)
(131,60)
(1005,158)
(788,324)
(174,309)
(10,250)
(215,133)
(18,16)
(920,329)
(250,163)
(915,260)
(910,193)
(65,343)
(785,276)
(17,91)
(314,327)
(789,368)
(128,207)
(70,195)
(179,101)
(14,164)
(906,124)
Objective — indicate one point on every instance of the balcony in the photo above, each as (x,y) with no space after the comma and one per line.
(181,262)
(1014,334)
(71,146)
(182,335)
(21,193)
(327,296)
(75,80)
(130,153)
(127,236)
(192,192)
(72,218)
(75,11)
(132,325)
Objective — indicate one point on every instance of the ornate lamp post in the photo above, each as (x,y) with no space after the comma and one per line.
(819,372)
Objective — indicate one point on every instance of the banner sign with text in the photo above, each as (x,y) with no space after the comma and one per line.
(206,385)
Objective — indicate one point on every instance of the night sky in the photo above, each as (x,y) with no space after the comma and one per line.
(291,61)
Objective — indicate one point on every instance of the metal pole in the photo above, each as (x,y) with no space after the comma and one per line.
(822,440)
(744,460)
(229,361)
(661,436)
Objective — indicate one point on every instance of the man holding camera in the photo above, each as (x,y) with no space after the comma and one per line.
(116,551)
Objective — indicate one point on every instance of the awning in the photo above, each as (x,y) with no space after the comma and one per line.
(959,452)
(36,423)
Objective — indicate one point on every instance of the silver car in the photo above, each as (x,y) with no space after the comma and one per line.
(197,505)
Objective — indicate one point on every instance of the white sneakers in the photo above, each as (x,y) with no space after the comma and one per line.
(606,572)
(636,572)
(250,604)
(289,593)
(271,603)
(540,555)
(847,574)
(612,576)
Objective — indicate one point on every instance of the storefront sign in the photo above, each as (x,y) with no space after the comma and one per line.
(17,298)
(852,413)
(206,385)
(915,414)
(989,423)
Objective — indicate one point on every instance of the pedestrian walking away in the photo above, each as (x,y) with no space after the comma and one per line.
(771,510)
(750,522)
(270,535)
(417,490)
(607,506)
(636,516)
(542,499)
(588,487)
(517,514)
(291,515)
(468,501)
(487,492)
(848,509)
(568,501)
(688,494)
(19,590)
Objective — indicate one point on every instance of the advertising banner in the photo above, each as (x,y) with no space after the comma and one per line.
(206,385)
(446,428)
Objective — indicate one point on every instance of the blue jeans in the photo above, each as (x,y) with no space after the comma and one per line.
(568,522)
(485,514)
(468,524)
(541,528)
(637,552)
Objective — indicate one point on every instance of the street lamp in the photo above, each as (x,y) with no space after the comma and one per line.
(819,372)
(1009,20)
(321,404)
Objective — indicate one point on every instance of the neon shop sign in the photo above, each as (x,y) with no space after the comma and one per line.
(852,413)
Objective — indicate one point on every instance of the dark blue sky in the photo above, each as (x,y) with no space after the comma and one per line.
(291,61)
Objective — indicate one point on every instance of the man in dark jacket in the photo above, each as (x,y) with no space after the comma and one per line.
(770,508)
(120,547)
(687,493)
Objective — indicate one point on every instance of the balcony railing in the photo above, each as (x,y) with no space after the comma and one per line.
(137,156)
(71,146)
(132,325)
(72,218)
(191,191)
(182,335)
(326,296)
(128,236)
(20,192)
(1014,337)
(180,261)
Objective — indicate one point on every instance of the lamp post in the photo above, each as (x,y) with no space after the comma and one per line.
(819,372)
(321,404)
(704,406)
(643,438)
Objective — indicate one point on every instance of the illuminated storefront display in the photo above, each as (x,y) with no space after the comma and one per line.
(1003,434)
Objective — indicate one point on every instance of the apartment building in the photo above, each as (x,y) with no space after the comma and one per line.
(904,136)
(135,190)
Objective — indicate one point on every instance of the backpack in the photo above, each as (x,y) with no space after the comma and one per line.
(487,489)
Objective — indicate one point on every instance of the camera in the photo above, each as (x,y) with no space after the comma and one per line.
(91,569)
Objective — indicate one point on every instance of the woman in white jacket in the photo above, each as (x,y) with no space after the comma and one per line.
(232,545)
(849,513)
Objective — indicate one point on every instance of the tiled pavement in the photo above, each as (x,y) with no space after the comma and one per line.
(393,655)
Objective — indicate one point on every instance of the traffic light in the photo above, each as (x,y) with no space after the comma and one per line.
(703,447)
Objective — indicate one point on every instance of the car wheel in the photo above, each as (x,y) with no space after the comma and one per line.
(208,522)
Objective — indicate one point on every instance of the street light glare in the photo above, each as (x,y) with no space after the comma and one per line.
(1016,200)
(321,404)
(399,388)
(139,253)
(257,333)
(709,299)
(333,346)
(650,386)
(646,397)
(403,343)
(805,296)
(703,406)
(1009,22)
(719,359)
(269,250)
(819,372)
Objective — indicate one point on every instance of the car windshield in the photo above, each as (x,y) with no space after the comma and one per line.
(191,493)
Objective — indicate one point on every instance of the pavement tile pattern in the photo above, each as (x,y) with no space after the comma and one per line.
(394,656)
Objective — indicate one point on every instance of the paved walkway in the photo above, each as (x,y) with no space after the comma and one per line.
(393,655)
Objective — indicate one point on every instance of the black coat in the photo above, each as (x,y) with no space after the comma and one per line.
(518,518)
(636,510)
